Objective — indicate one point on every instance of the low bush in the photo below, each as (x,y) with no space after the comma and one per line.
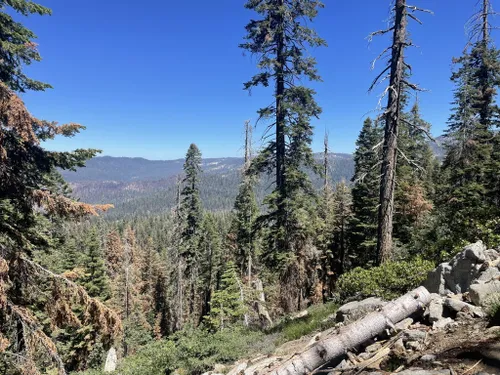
(314,321)
(388,281)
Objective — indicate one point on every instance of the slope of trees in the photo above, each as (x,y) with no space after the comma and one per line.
(196,261)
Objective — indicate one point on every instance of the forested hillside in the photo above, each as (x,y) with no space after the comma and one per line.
(139,186)
(132,266)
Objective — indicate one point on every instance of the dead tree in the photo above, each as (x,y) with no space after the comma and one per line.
(396,71)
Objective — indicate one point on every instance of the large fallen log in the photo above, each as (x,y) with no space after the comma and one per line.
(351,336)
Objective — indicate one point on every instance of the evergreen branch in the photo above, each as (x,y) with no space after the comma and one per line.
(411,162)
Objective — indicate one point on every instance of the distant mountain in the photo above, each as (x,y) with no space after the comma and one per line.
(140,186)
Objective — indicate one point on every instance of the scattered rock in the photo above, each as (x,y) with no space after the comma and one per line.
(489,274)
(239,369)
(428,358)
(111,360)
(414,335)
(419,371)
(399,348)
(404,324)
(479,293)
(220,368)
(457,275)
(355,310)
(414,345)
(457,306)
(442,324)
(491,255)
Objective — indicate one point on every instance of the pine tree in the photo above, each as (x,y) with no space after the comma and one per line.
(414,175)
(468,166)
(210,261)
(95,281)
(192,217)
(226,305)
(325,237)
(279,39)
(365,197)
(245,214)
(342,213)
(33,201)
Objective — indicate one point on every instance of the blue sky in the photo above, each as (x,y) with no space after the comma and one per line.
(148,78)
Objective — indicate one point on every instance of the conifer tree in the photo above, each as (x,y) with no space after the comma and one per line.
(468,166)
(192,217)
(33,199)
(226,304)
(95,281)
(342,213)
(246,212)
(280,38)
(210,261)
(325,230)
(365,196)
(414,175)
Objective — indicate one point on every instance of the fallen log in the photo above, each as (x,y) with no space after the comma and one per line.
(351,336)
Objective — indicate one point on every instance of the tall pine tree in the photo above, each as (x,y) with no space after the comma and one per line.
(365,196)
(279,38)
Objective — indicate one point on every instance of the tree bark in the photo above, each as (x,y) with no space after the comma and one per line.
(388,179)
(352,335)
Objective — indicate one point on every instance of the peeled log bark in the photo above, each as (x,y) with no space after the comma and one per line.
(353,335)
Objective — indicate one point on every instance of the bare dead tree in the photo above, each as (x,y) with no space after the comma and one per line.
(395,72)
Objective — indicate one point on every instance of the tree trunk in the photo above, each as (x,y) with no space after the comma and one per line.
(388,179)
(265,318)
(352,335)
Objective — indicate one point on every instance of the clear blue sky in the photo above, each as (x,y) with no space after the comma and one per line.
(149,77)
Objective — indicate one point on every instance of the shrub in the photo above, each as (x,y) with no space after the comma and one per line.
(493,309)
(387,281)
(314,321)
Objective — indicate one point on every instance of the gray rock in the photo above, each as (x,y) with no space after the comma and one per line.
(457,306)
(414,335)
(414,345)
(435,282)
(475,252)
(491,255)
(428,358)
(443,323)
(355,310)
(111,360)
(404,324)
(457,275)
(418,371)
(238,369)
(489,274)
(480,293)
(491,352)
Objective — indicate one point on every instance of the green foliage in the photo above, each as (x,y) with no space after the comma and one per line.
(388,281)
(316,320)
(95,280)
(226,304)
(365,195)
(191,351)
(493,308)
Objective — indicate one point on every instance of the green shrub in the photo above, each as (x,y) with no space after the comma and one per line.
(314,321)
(493,308)
(387,281)
(191,351)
